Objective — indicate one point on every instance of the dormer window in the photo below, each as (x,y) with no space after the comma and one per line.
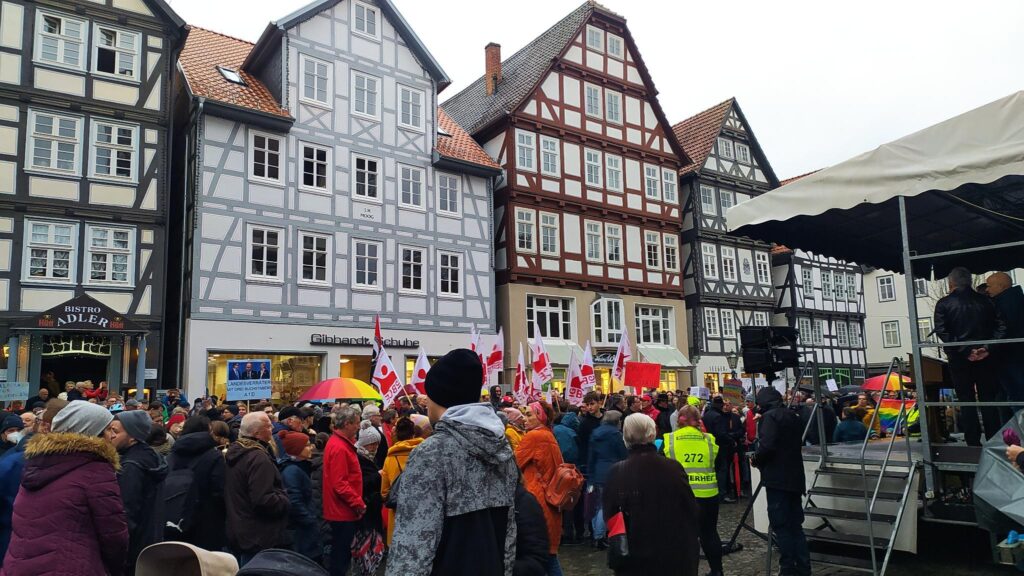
(231,75)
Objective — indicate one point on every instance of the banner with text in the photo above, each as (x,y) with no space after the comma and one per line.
(248,380)
(11,391)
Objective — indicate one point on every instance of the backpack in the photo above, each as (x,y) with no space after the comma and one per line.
(565,487)
(181,501)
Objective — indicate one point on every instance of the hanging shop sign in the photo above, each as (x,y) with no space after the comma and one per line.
(365,341)
(83,313)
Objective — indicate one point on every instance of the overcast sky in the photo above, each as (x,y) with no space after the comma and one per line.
(819,83)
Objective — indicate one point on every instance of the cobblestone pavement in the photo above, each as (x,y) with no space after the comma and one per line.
(968,554)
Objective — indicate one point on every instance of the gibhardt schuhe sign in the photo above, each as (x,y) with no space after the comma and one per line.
(330,340)
(83,313)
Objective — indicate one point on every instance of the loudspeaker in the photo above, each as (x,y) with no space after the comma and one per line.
(769,348)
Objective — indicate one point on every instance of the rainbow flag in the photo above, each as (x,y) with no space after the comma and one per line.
(889,410)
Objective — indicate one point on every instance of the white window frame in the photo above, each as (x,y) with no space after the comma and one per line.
(726,200)
(549,222)
(886,288)
(552,305)
(593,237)
(670,242)
(62,40)
(807,281)
(135,52)
(598,168)
(856,335)
(413,92)
(110,251)
(50,246)
(707,200)
(613,240)
(305,60)
(729,270)
(727,318)
(652,240)
(806,332)
(613,172)
(301,260)
(619,54)
(920,287)
(839,279)
(711,326)
(760,318)
(378,197)
(232,75)
(924,329)
(526,151)
(709,259)
(327,164)
(444,181)
(652,174)
(95,145)
(531,224)
(669,186)
(379,258)
(592,33)
(550,149)
(406,174)
(375,35)
(851,287)
(280,260)
(661,320)
(763,268)
(607,320)
(843,334)
(742,153)
(894,325)
(55,141)
(598,101)
(818,330)
(356,76)
(422,266)
(612,97)
(827,291)
(281,158)
(725,149)
(459,268)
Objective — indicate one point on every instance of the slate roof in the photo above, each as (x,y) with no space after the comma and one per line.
(697,134)
(204,51)
(457,144)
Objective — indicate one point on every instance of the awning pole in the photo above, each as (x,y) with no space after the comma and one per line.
(140,370)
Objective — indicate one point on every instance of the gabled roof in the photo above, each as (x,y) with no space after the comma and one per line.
(697,134)
(455,143)
(204,51)
(162,8)
(269,40)
(795,178)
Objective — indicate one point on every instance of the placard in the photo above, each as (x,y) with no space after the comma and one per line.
(780,385)
(700,392)
(11,391)
(641,375)
(248,380)
(831,385)
(733,392)
(150,374)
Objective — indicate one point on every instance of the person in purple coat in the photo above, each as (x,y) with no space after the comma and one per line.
(68,517)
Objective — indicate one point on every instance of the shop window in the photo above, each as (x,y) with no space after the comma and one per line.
(291,375)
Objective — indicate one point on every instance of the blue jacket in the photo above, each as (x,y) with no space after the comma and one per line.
(11,467)
(565,434)
(850,430)
(606,448)
(303,521)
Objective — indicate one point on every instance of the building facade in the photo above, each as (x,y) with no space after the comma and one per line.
(588,210)
(85,117)
(325,187)
(727,279)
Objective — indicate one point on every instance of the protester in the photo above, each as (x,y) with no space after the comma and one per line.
(371,414)
(655,494)
(716,423)
(405,440)
(367,443)
(317,483)
(565,433)
(303,521)
(255,498)
(514,428)
(463,480)
(42,396)
(606,449)
(68,517)
(531,536)
(11,427)
(343,488)
(538,457)
(12,464)
(665,410)
(590,419)
(850,429)
(196,452)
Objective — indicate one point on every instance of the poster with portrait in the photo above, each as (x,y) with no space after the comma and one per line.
(248,380)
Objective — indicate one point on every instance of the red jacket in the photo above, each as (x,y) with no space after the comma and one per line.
(342,480)
(751,425)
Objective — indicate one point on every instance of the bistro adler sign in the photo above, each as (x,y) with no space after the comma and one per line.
(83,313)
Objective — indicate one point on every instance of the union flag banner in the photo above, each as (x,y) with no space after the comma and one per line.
(386,379)
(587,370)
(521,386)
(419,373)
(574,382)
(542,370)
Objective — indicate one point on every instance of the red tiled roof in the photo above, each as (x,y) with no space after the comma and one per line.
(795,178)
(697,134)
(460,145)
(780,249)
(204,51)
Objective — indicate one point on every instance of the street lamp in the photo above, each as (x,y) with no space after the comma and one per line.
(733,359)
(694,361)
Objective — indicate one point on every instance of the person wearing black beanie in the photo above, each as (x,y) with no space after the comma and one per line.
(452,381)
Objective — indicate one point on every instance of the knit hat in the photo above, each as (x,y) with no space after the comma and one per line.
(294,442)
(11,421)
(370,410)
(83,418)
(132,403)
(455,379)
(515,416)
(175,419)
(136,423)
(367,436)
(53,405)
(287,412)
(233,408)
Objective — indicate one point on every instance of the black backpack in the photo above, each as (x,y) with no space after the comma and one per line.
(181,499)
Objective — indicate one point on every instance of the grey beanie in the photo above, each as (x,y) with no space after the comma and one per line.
(82,418)
(136,423)
(367,435)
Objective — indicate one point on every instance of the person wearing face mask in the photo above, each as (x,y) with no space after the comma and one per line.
(10,430)
(11,466)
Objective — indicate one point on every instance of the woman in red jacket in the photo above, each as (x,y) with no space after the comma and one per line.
(539,456)
(342,488)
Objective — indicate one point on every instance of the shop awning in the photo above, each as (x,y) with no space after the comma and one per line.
(81,314)
(667,356)
(561,350)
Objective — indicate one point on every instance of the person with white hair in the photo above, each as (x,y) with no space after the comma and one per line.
(372,417)
(654,493)
(343,505)
(368,444)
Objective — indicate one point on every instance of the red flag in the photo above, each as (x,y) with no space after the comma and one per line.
(622,355)
(386,379)
(378,341)
(419,373)
(521,387)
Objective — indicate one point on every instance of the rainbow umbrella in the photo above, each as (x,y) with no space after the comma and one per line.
(876,382)
(341,388)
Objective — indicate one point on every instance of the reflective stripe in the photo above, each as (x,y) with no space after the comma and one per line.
(693,446)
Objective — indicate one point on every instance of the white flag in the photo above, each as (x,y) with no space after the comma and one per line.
(587,374)
(496,358)
(574,382)
(542,370)
(386,378)
(474,339)
(419,373)
(622,355)
(521,385)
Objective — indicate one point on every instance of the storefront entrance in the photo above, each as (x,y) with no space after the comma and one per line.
(77,357)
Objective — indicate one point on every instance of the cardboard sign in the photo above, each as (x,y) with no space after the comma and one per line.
(11,391)
(700,392)
(248,380)
(641,375)
(832,386)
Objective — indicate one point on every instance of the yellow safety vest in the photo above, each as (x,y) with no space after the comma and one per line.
(696,452)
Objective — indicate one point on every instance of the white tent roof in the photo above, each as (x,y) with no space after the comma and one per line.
(965,176)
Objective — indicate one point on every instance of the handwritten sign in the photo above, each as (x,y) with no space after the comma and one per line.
(11,391)
(248,380)
(832,386)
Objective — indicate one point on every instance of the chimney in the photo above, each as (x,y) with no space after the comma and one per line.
(492,73)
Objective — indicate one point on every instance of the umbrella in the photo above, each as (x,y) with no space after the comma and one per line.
(347,388)
(875,382)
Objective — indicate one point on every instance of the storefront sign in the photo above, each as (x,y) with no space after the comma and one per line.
(330,340)
(82,313)
(604,358)
(11,391)
(248,380)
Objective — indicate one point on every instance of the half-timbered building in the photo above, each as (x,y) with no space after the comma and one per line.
(587,211)
(323,186)
(85,115)
(727,279)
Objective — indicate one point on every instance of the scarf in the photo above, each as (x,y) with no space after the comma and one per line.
(539,412)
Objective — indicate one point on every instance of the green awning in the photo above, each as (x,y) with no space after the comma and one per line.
(560,350)
(667,356)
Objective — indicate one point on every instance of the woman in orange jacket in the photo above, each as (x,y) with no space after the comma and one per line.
(404,434)
(539,456)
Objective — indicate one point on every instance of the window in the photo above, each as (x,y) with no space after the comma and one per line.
(448,194)
(110,255)
(53,142)
(840,281)
(806,335)
(843,334)
(410,183)
(613,106)
(709,256)
(725,149)
(652,242)
(60,40)
(367,100)
(742,153)
(668,185)
(856,335)
(231,75)
(314,258)
(707,200)
(886,289)
(613,172)
(314,167)
(920,287)
(595,38)
(549,234)
(819,332)
(593,241)
(764,274)
(807,281)
(826,284)
(113,151)
(728,263)
(411,111)
(615,46)
(711,322)
(412,269)
(315,80)
(116,52)
(550,157)
(367,264)
(671,252)
(526,151)
(366,18)
(451,273)
(851,287)
(924,330)
(728,324)
(50,248)
(264,248)
(367,176)
(593,100)
(592,159)
(760,318)
(653,325)
(552,315)
(651,182)
(265,151)
(891,334)
(525,230)
(727,200)
(613,243)
(606,319)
